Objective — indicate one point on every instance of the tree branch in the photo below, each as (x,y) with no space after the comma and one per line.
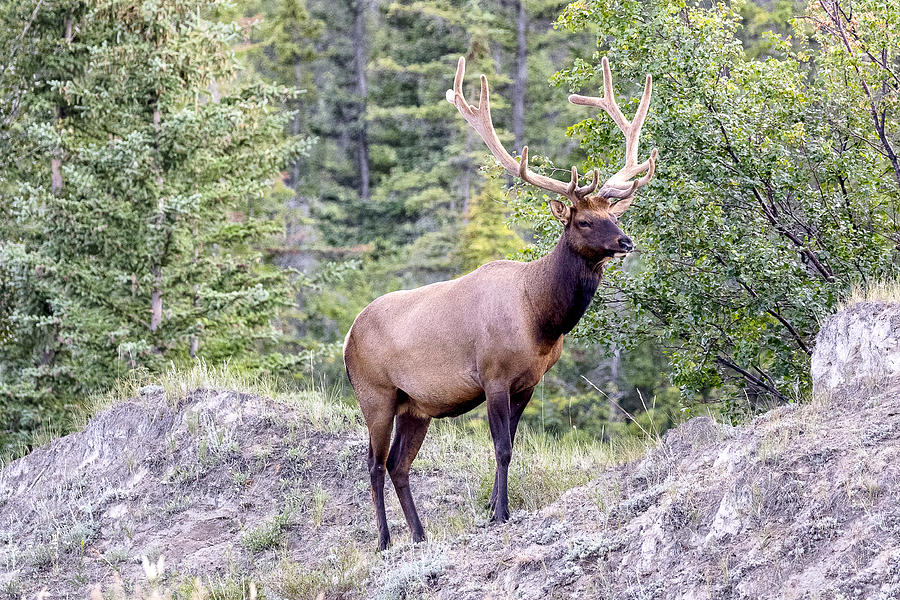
(750,378)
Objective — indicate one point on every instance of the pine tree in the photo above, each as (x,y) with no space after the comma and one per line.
(485,236)
(424,157)
(133,168)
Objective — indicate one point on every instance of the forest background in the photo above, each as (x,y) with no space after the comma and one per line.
(187,180)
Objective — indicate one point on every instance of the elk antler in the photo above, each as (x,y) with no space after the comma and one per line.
(621,185)
(480,120)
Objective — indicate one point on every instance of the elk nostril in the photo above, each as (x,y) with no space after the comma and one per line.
(626,244)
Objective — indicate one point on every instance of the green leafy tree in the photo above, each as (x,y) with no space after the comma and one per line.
(771,197)
(764,25)
(134,168)
(860,68)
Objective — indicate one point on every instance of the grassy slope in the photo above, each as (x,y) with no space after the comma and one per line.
(302,530)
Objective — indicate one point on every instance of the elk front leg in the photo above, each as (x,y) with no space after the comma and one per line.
(498,419)
(517,402)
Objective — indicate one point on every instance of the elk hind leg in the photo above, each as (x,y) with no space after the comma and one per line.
(408,437)
(378,407)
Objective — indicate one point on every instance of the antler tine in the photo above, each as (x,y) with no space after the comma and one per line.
(620,185)
(480,120)
(638,123)
(607,102)
(573,182)
(523,164)
(651,168)
(457,92)
(587,189)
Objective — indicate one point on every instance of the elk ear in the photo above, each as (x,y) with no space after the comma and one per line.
(619,208)
(560,210)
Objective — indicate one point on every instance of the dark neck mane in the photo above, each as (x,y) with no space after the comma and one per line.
(560,287)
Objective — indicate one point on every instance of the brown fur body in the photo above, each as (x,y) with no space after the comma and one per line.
(480,328)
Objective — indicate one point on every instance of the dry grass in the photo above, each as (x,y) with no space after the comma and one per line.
(178,382)
(344,571)
(41,436)
(543,466)
(228,587)
(542,469)
(878,291)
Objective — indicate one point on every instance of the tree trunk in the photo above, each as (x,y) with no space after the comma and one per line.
(359,44)
(56,185)
(466,183)
(55,175)
(615,414)
(156,299)
(292,221)
(195,337)
(296,124)
(156,270)
(56,181)
(521,78)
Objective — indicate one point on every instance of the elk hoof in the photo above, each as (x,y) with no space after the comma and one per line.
(500,516)
(383,542)
(418,538)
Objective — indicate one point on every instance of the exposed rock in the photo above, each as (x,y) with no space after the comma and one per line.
(151,390)
(858,349)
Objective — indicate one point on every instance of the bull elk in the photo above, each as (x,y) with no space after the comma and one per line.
(443,349)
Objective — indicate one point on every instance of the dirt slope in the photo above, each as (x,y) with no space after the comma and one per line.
(145,478)
(219,483)
(803,502)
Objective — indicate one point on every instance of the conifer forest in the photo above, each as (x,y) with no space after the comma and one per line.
(231,182)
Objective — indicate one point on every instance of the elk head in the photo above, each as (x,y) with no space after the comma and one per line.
(590,218)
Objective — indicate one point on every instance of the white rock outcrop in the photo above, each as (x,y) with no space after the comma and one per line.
(859,348)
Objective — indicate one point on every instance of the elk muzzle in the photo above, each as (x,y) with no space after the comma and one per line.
(626,246)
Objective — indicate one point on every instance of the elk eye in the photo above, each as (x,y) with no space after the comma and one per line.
(584,224)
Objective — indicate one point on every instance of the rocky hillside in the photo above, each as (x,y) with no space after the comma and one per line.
(803,502)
